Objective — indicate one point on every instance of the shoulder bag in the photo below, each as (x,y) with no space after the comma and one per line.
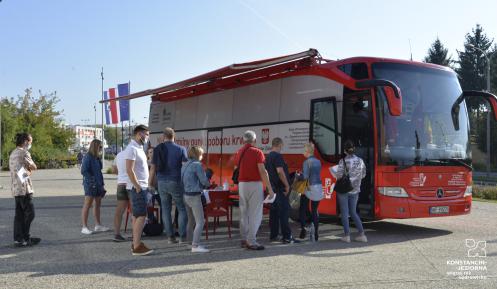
(344,185)
(236,172)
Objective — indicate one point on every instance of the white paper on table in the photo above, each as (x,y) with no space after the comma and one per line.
(268,200)
(334,171)
(23,175)
(206,195)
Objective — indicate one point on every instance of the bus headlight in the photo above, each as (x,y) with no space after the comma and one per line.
(468,192)
(393,192)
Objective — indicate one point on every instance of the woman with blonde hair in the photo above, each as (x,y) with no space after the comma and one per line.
(311,171)
(93,184)
(194,181)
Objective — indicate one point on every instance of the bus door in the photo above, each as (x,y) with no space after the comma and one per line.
(324,133)
(357,126)
(214,154)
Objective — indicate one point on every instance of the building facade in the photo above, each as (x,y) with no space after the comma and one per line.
(84,135)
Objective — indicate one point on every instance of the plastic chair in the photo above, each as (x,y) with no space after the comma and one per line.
(219,206)
(128,210)
(149,210)
(234,200)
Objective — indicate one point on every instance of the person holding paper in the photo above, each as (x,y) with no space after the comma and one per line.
(21,166)
(194,181)
(253,178)
(277,170)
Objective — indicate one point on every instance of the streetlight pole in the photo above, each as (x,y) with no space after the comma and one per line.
(103,135)
(488,110)
(95,108)
(1,137)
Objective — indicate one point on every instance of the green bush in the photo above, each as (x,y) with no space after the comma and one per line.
(109,157)
(109,171)
(38,116)
(485,192)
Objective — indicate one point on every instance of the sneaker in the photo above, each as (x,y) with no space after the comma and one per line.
(19,244)
(142,250)
(290,241)
(172,240)
(243,244)
(33,241)
(200,249)
(86,231)
(255,247)
(303,233)
(345,239)
(182,240)
(118,238)
(361,238)
(100,228)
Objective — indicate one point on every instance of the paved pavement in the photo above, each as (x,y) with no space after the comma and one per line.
(417,253)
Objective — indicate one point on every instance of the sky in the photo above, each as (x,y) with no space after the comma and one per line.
(62,45)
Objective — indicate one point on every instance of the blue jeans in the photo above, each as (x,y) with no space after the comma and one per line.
(169,191)
(278,216)
(348,205)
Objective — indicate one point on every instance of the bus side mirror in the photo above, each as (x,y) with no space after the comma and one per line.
(491,98)
(392,93)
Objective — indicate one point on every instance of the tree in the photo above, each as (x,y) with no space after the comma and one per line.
(114,135)
(472,61)
(438,54)
(39,117)
(472,75)
(493,69)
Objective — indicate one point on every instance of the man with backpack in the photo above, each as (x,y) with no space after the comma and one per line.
(167,160)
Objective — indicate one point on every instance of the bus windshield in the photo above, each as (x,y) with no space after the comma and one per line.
(424,134)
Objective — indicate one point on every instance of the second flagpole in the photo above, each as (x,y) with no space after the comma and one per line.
(103,136)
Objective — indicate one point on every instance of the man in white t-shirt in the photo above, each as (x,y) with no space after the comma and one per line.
(119,168)
(137,171)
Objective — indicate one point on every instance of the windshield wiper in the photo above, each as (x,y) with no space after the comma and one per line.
(405,167)
(455,161)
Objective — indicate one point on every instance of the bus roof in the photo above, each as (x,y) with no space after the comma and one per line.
(242,74)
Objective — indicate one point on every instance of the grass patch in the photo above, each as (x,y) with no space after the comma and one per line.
(484,200)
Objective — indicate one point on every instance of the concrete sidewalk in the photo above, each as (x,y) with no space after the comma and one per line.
(416,253)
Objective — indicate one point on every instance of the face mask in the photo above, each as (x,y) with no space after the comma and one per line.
(144,139)
(29,147)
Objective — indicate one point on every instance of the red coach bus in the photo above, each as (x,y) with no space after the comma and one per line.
(408,120)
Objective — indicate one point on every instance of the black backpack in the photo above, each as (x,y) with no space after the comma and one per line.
(153,227)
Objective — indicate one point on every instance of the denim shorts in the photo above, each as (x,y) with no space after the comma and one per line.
(139,202)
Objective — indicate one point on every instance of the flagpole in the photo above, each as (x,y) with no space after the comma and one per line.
(129,111)
(103,137)
(117,139)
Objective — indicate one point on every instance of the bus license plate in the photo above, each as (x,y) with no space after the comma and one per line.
(439,210)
